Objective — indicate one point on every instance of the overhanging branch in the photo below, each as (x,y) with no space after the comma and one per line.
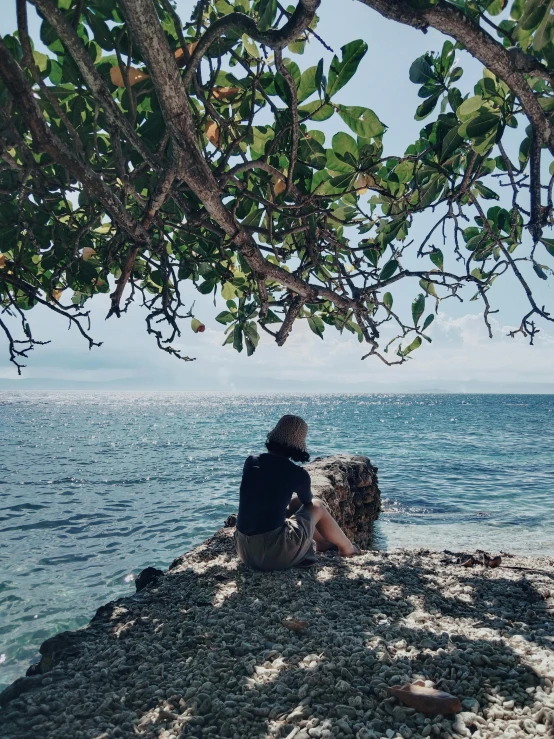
(74,45)
(276,39)
(46,140)
(149,35)
(480,44)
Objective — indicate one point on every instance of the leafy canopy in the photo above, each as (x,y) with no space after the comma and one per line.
(145,150)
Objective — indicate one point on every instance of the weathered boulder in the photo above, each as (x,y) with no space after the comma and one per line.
(148,575)
(348,485)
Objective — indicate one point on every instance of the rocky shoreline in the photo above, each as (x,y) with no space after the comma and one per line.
(213,649)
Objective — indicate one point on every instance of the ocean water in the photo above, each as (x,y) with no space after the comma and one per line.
(94,487)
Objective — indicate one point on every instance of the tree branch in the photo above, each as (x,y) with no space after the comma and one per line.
(29,60)
(47,141)
(143,21)
(276,39)
(156,202)
(74,45)
(480,44)
(535,223)
(296,304)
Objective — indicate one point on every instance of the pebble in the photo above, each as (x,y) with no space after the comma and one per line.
(207,655)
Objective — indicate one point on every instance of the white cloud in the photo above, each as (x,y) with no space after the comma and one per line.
(461,351)
(460,356)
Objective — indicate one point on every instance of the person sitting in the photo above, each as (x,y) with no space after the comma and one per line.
(275,530)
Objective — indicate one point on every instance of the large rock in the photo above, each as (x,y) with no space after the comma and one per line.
(348,485)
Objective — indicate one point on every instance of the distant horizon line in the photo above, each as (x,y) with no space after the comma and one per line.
(6,391)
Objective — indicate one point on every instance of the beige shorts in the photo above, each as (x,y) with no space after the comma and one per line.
(288,546)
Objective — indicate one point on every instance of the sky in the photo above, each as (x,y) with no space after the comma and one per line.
(461,358)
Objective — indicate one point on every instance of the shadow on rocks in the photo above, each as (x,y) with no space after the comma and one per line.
(203,652)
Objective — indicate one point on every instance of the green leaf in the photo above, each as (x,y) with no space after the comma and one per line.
(469,107)
(539,271)
(342,71)
(479,126)
(41,60)
(427,107)
(431,191)
(253,218)
(543,34)
(228,291)
(437,258)
(450,143)
(267,10)
(486,192)
(428,321)
(524,150)
(251,337)
(338,166)
(362,121)
(418,306)
(455,74)
(387,301)
(495,7)
(339,183)
(237,337)
(416,343)
(81,275)
(225,317)
(404,171)
(533,13)
(297,47)
(344,144)
(272,317)
(50,38)
(388,270)
(320,80)
(516,10)
(317,325)
(429,287)
(102,34)
(316,110)
(454,98)
(549,245)
(206,287)
(253,50)
(421,71)
(308,84)
(8,237)
(477,241)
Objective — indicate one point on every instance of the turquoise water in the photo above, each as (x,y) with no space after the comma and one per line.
(95,487)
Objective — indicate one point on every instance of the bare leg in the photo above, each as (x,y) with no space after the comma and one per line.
(321,544)
(328,533)
(329,530)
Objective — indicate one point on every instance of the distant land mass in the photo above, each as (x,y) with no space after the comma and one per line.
(277,385)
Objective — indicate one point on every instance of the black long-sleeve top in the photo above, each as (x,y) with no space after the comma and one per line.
(268,483)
